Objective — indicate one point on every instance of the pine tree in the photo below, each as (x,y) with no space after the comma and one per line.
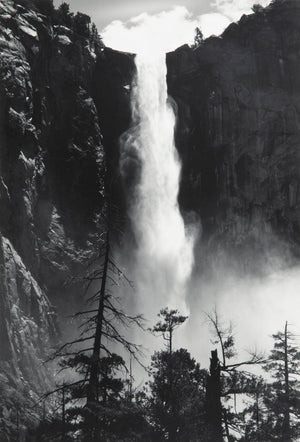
(170,320)
(283,402)
(64,15)
(198,39)
(176,402)
(253,419)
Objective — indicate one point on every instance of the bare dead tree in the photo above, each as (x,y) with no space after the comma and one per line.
(102,324)
(224,337)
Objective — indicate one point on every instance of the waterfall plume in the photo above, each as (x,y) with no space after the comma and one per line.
(164,253)
(162,258)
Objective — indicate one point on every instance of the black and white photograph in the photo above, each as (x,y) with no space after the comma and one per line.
(149,221)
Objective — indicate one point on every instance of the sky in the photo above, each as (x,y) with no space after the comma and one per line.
(212,16)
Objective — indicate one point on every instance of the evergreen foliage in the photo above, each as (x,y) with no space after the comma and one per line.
(283,398)
(64,15)
(181,402)
(177,392)
(45,7)
(198,39)
(80,24)
(257,8)
(169,321)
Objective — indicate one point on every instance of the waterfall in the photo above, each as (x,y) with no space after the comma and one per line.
(164,254)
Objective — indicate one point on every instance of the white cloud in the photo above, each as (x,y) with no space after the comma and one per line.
(213,23)
(166,30)
(234,9)
(172,28)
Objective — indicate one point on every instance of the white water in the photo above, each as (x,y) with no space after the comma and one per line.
(164,255)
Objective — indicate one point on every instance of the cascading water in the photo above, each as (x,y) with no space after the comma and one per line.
(164,255)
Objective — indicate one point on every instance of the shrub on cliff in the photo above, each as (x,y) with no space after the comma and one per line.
(256,8)
(82,24)
(198,39)
(64,16)
(43,6)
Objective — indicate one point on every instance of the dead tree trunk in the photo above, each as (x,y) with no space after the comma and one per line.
(213,400)
(92,395)
(286,422)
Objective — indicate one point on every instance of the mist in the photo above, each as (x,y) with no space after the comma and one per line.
(161,260)
(257,306)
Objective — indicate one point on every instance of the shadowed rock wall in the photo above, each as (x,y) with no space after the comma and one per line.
(52,166)
(238,132)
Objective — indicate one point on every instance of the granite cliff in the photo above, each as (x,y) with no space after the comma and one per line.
(238,134)
(52,171)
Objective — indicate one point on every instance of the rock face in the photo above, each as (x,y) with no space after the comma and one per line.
(51,191)
(58,88)
(238,132)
